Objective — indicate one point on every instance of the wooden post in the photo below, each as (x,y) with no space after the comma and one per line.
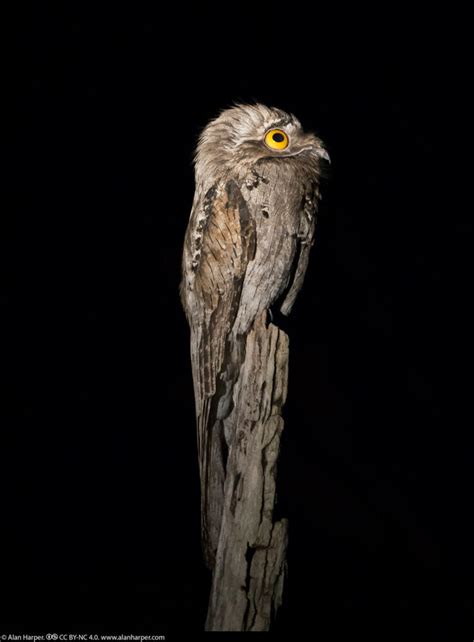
(250,568)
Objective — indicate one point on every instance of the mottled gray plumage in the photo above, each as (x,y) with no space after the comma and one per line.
(246,249)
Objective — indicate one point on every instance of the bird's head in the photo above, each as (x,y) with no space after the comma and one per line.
(245,134)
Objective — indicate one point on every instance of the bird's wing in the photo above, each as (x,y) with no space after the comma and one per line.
(220,242)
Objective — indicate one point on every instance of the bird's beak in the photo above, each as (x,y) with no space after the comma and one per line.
(323,154)
(316,150)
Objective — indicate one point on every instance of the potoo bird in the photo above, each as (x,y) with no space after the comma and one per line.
(246,251)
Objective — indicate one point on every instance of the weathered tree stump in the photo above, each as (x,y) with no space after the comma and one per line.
(250,567)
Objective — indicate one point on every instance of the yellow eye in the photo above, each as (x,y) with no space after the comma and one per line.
(276,139)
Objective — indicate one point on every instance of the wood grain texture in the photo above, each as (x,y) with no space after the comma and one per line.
(250,566)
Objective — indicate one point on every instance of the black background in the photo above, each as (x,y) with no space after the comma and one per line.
(100,491)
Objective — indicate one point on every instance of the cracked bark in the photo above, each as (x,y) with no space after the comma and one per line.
(250,567)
